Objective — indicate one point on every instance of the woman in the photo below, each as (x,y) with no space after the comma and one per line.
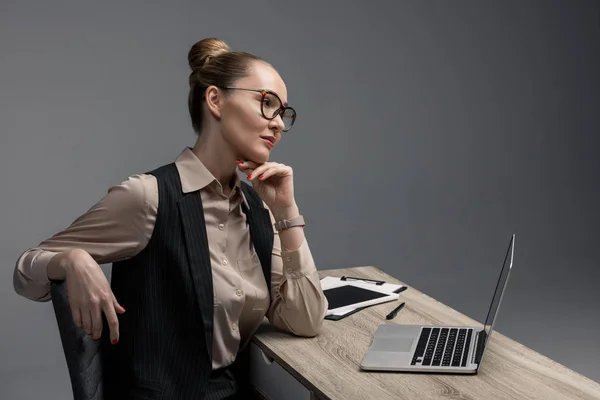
(197,262)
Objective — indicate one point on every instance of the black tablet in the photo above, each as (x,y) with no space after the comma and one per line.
(347,295)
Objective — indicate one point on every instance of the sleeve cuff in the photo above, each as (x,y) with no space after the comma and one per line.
(39,267)
(298,263)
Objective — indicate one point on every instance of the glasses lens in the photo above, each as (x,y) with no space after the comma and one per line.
(270,105)
(288,117)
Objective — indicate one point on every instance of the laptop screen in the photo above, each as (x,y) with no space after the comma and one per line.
(508,260)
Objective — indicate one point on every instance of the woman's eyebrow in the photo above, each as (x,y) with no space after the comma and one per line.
(284,103)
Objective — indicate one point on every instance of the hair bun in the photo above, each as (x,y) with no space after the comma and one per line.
(202,51)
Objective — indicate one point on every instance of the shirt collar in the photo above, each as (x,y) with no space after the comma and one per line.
(194,175)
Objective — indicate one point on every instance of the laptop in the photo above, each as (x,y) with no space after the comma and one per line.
(437,349)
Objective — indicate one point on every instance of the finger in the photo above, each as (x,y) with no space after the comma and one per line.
(86,318)
(245,169)
(76,313)
(251,168)
(279,171)
(96,314)
(248,164)
(262,169)
(113,322)
(118,308)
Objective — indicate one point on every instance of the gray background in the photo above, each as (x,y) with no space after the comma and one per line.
(428,132)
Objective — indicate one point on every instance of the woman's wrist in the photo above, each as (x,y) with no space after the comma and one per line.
(59,265)
(288,212)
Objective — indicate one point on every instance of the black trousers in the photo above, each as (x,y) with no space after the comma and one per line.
(231,383)
(222,385)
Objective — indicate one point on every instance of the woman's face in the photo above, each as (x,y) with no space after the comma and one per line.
(243,126)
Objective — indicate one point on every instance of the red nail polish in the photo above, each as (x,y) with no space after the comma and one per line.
(261,176)
(250,176)
(115,341)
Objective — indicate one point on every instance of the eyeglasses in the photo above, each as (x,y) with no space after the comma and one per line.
(271,106)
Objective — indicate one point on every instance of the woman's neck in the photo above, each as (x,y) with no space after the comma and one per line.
(218,157)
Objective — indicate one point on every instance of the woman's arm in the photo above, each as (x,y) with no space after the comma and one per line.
(298,304)
(115,228)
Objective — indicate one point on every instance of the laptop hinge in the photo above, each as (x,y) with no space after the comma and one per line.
(481,337)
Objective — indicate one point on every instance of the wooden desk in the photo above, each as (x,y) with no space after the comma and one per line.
(328,365)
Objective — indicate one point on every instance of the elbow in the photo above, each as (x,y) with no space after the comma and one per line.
(299,325)
(30,279)
(19,283)
(312,326)
(25,288)
(309,331)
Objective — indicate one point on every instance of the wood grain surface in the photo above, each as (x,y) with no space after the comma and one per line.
(328,364)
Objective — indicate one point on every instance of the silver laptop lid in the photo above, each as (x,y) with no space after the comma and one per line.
(498,293)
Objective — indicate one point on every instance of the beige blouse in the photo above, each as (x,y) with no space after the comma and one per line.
(120,225)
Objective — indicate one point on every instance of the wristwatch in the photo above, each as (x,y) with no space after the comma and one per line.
(288,223)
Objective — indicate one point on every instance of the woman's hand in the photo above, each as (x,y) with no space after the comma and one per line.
(89,294)
(274,184)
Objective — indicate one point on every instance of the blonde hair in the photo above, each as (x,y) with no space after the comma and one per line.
(213,63)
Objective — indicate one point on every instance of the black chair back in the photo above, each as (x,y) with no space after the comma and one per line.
(82,353)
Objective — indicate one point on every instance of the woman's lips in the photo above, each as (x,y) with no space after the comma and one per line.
(268,141)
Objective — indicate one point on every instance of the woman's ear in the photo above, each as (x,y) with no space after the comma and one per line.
(214,99)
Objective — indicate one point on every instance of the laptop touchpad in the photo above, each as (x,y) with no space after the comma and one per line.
(393,344)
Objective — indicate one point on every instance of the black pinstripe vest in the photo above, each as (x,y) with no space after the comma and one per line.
(166,334)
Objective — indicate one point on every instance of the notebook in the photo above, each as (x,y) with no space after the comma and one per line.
(350,297)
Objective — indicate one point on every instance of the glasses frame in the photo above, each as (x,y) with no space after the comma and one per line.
(264,93)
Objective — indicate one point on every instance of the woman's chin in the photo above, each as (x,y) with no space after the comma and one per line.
(258,156)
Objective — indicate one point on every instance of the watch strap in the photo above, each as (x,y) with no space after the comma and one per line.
(288,223)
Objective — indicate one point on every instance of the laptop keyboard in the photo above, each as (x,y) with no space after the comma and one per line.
(445,347)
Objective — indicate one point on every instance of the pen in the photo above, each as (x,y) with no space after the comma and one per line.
(394,311)
(345,278)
